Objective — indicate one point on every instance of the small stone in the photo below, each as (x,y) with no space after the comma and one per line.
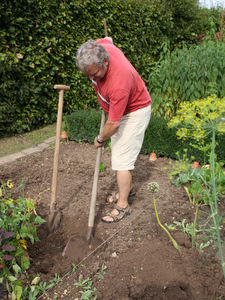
(114,254)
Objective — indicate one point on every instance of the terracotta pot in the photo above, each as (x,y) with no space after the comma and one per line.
(152,156)
(64,135)
(195,165)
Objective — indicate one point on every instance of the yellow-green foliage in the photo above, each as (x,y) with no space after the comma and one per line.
(196,119)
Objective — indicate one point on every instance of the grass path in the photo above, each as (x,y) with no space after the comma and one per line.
(10,145)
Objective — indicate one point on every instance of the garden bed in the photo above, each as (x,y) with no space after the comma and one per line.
(135,258)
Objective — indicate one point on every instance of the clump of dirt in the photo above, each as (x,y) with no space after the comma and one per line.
(135,258)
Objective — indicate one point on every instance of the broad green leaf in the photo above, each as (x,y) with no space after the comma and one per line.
(13,296)
(12,278)
(16,268)
(29,204)
(25,264)
(19,252)
(18,291)
(184,178)
(39,220)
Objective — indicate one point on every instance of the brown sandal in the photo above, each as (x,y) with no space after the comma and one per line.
(113,199)
(122,212)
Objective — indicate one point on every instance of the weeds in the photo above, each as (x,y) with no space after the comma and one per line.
(102,271)
(86,286)
(87,290)
(102,167)
(194,231)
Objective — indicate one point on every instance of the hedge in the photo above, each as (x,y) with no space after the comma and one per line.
(83,126)
(39,39)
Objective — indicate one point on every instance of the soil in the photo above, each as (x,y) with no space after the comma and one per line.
(131,259)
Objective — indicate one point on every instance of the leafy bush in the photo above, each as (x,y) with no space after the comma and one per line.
(83,126)
(18,220)
(160,139)
(164,141)
(187,75)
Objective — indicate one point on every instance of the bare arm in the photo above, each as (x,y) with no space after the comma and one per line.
(109,129)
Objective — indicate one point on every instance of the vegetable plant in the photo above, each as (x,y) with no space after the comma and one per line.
(18,220)
(200,180)
(181,164)
(197,120)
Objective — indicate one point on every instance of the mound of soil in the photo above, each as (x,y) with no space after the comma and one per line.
(131,259)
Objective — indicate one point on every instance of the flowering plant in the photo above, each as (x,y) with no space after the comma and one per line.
(197,120)
(153,188)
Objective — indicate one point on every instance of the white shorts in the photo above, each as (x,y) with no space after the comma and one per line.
(127,142)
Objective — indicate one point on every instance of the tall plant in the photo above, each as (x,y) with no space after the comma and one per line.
(197,120)
(187,74)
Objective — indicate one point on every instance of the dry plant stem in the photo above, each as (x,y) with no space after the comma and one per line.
(171,238)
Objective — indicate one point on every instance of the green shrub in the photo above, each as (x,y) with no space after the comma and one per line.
(83,126)
(164,141)
(160,139)
(186,75)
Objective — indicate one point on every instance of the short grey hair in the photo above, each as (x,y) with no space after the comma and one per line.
(91,53)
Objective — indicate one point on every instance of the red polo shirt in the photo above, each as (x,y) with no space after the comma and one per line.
(122,90)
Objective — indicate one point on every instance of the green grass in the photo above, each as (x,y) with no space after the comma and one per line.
(10,145)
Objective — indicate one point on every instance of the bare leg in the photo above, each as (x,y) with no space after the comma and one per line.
(124,181)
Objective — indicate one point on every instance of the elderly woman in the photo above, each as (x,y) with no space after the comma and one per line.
(124,97)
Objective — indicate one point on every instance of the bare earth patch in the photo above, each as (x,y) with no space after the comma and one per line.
(141,261)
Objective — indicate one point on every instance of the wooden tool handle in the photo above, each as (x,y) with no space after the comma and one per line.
(95,180)
(61,89)
(105,27)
